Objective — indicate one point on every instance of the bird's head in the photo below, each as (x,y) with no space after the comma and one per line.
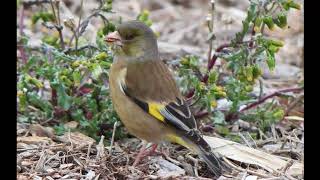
(133,40)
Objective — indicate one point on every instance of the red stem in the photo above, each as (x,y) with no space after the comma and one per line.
(201,114)
(190,93)
(210,66)
(277,93)
(215,57)
(231,116)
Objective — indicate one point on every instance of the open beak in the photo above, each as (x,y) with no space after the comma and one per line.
(114,38)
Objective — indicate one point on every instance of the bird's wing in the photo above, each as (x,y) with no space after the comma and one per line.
(160,97)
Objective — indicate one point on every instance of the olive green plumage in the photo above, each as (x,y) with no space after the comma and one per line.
(146,97)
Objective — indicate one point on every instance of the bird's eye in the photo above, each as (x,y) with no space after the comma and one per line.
(129,37)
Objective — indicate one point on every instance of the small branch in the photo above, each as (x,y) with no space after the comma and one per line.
(293,104)
(277,93)
(244,170)
(196,164)
(214,57)
(29,3)
(261,88)
(112,138)
(21,49)
(260,101)
(77,34)
(190,93)
(66,51)
(210,25)
(58,24)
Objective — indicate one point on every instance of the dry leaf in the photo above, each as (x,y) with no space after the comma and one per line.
(71,125)
(244,154)
(38,130)
(76,138)
(34,140)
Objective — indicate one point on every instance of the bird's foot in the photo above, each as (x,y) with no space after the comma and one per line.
(145,152)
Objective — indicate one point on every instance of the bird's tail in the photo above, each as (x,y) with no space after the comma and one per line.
(201,147)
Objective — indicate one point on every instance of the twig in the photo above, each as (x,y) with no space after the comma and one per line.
(244,170)
(255,144)
(214,57)
(21,49)
(210,25)
(88,152)
(100,149)
(245,140)
(261,88)
(77,34)
(172,160)
(293,104)
(277,93)
(68,50)
(196,164)
(58,25)
(69,138)
(112,138)
(34,2)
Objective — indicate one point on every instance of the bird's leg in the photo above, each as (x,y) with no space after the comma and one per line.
(140,155)
(152,150)
(143,153)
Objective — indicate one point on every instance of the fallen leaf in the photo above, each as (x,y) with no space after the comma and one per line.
(34,140)
(71,125)
(294,118)
(76,138)
(251,178)
(38,130)
(167,169)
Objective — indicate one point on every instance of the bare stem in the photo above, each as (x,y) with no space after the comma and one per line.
(58,24)
(210,25)
(21,49)
(78,28)
(250,106)
(277,93)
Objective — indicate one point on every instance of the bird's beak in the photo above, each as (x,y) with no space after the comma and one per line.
(114,38)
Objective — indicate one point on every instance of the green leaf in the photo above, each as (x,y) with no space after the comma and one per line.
(213,77)
(36,101)
(60,129)
(269,22)
(281,20)
(44,16)
(97,70)
(78,115)
(64,100)
(271,60)
(223,130)
(219,118)
(252,12)
(76,78)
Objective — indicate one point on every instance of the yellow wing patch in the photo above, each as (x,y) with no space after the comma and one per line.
(154,110)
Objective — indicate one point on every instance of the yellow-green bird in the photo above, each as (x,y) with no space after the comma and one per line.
(146,97)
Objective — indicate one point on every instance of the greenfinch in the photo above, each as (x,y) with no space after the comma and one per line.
(146,97)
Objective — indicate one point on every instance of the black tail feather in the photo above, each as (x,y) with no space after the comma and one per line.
(216,164)
(202,148)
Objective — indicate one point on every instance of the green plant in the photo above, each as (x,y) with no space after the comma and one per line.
(66,78)
(244,57)
(61,82)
